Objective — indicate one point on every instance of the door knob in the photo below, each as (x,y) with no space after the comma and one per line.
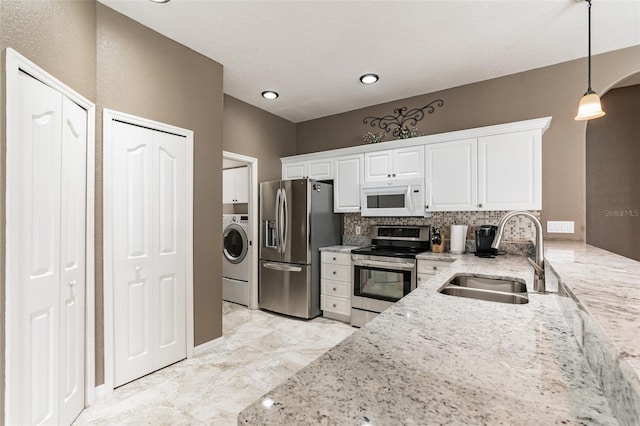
(72,283)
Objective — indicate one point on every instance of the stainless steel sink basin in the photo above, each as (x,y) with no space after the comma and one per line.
(485,288)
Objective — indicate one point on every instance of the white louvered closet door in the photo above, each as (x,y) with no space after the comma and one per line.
(149,258)
(47,209)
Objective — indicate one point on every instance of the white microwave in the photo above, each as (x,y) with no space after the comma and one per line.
(402,197)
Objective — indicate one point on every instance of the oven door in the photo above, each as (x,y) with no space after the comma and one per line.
(380,282)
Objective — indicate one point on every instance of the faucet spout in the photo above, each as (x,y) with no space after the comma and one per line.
(538,264)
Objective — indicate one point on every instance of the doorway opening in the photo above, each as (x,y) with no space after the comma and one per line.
(244,205)
(612,174)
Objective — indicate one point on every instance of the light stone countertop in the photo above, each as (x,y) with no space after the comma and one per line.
(338,249)
(438,359)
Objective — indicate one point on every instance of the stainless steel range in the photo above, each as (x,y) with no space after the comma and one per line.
(386,271)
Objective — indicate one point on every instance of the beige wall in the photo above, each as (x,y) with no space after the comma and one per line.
(550,91)
(253,132)
(613,174)
(143,73)
(28,27)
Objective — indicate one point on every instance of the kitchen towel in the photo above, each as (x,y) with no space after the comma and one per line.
(458,238)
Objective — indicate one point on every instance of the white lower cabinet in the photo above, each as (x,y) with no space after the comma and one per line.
(335,275)
(428,268)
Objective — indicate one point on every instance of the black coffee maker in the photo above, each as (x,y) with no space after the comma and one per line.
(484,237)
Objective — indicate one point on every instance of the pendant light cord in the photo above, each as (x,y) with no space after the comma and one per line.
(589,89)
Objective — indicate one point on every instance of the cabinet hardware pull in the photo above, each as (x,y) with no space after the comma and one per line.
(394,175)
(479,205)
(334,272)
(435,268)
(334,305)
(334,289)
(334,258)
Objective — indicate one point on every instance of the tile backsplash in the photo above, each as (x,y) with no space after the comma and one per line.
(518,235)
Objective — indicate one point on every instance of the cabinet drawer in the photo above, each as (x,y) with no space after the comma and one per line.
(336,288)
(337,258)
(331,271)
(432,266)
(335,304)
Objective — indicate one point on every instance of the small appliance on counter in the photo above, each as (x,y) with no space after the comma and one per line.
(484,237)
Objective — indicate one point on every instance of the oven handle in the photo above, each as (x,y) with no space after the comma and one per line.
(386,265)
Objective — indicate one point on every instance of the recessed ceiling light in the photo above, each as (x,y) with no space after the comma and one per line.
(369,78)
(270,94)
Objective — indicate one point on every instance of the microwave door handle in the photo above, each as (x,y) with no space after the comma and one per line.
(409,198)
(284,223)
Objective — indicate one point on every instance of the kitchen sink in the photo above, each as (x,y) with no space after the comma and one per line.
(486,288)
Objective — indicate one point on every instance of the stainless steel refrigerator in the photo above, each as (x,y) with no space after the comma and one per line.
(296,218)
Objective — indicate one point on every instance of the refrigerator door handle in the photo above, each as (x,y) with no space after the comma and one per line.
(282,267)
(284,222)
(277,217)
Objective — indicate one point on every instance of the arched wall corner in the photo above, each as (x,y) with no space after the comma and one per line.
(611,177)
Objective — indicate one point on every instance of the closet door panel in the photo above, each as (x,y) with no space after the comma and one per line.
(134,285)
(35,210)
(72,278)
(170,198)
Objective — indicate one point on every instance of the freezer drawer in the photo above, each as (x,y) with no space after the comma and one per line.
(287,289)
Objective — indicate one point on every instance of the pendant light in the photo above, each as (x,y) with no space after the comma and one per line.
(589,107)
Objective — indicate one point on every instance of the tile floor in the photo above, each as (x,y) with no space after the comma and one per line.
(258,351)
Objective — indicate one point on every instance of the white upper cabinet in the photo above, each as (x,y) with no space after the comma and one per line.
(321,169)
(451,176)
(497,172)
(235,185)
(487,168)
(510,171)
(347,183)
(401,163)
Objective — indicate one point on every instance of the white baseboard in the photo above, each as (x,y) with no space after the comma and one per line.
(205,347)
(100,392)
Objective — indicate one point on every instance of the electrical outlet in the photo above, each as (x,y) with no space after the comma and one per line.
(358,229)
(560,226)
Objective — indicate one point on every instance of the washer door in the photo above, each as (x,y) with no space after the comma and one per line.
(235,243)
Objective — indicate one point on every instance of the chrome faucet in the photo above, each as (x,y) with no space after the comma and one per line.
(538,265)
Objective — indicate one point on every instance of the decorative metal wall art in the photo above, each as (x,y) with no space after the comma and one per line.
(398,124)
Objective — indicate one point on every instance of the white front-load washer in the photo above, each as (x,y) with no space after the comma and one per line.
(235,262)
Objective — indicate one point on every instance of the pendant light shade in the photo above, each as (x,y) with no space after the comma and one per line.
(590,106)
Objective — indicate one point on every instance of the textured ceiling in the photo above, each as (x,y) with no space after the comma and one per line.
(312,52)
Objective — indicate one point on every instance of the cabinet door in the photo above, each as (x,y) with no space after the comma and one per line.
(377,165)
(294,171)
(408,163)
(510,171)
(228,186)
(347,183)
(242,185)
(320,169)
(451,170)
